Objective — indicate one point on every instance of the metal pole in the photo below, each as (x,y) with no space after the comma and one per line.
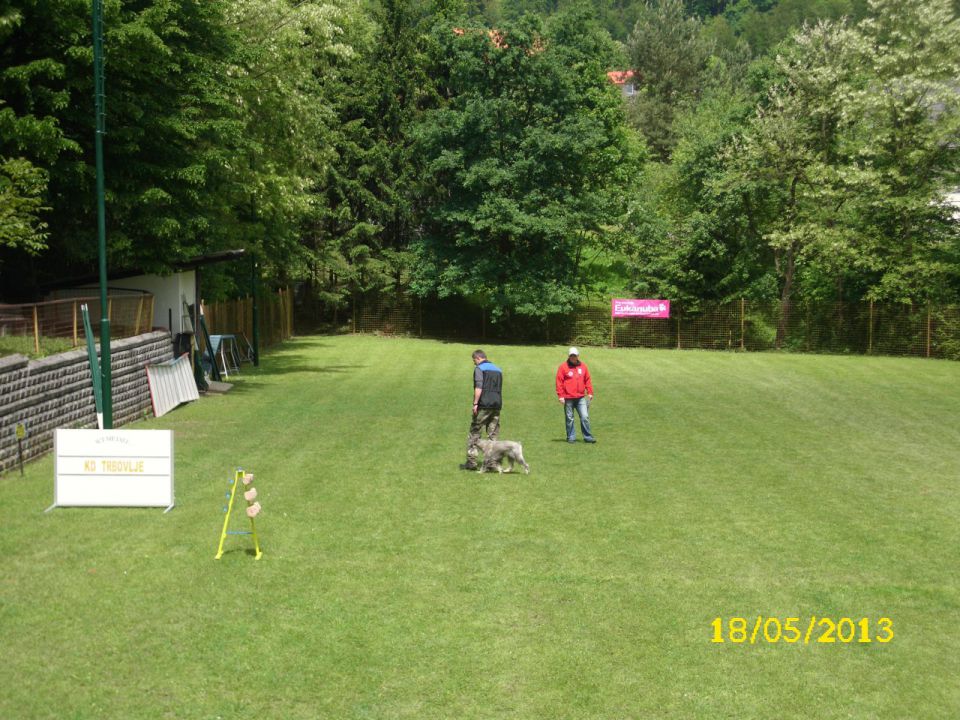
(254,272)
(98,83)
(743,312)
(36,331)
(678,328)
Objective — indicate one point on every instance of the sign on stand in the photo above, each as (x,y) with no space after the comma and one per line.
(625,308)
(113,468)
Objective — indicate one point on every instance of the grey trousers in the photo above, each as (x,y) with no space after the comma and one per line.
(486,420)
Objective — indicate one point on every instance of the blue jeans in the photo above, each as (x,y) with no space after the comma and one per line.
(582,410)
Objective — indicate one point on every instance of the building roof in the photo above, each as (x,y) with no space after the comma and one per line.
(120,274)
(619,77)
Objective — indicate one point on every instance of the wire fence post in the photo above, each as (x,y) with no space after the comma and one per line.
(36,331)
(928,330)
(743,313)
(678,328)
(870,332)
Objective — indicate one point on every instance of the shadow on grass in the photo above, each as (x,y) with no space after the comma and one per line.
(288,368)
(250,379)
(299,363)
(249,551)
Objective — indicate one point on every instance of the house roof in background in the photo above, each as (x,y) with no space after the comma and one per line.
(619,77)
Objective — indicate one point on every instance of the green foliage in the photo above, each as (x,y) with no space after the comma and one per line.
(832,186)
(360,231)
(365,147)
(669,52)
(763,24)
(21,201)
(217,126)
(24,345)
(904,142)
(520,167)
(31,136)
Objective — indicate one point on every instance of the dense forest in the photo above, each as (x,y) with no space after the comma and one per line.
(791,149)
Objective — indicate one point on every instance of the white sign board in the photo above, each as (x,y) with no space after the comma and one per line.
(113,468)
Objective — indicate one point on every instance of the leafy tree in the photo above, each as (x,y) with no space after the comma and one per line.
(669,52)
(283,76)
(168,122)
(21,191)
(706,8)
(694,239)
(522,166)
(217,126)
(365,215)
(904,146)
(31,136)
(838,176)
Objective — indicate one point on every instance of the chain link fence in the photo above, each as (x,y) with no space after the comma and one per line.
(851,328)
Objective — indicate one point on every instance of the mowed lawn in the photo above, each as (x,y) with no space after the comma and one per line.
(394,585)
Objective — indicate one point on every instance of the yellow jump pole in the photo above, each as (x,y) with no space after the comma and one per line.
(226,516)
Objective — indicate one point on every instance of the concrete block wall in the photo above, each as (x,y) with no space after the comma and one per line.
(57,392)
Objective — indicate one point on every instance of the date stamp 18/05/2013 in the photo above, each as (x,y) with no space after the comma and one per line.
(791,630)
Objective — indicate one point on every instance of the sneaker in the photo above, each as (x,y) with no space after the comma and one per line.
(571,440)
(590,440)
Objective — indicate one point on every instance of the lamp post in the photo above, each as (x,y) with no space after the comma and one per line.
(98,82)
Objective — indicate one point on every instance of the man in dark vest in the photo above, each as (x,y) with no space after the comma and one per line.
(487,401)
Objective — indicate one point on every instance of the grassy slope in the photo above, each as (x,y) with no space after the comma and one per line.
(394,585)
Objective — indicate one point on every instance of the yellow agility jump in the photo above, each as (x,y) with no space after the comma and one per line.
(253,509)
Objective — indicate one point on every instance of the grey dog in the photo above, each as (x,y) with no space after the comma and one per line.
(495,451)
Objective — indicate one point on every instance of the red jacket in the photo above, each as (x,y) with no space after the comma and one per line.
(573,382)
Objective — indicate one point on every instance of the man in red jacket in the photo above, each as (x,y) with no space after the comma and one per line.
(575,391)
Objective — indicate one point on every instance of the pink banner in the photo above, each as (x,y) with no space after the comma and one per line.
(639,308)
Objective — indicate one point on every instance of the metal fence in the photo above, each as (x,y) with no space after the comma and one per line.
(275,311)
(853,328)
(129,314)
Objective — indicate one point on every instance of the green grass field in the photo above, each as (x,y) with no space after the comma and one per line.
(394,585)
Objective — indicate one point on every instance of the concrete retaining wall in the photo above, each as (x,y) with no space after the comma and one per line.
(57,392)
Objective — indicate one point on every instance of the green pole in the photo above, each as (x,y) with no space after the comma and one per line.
(98,84)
